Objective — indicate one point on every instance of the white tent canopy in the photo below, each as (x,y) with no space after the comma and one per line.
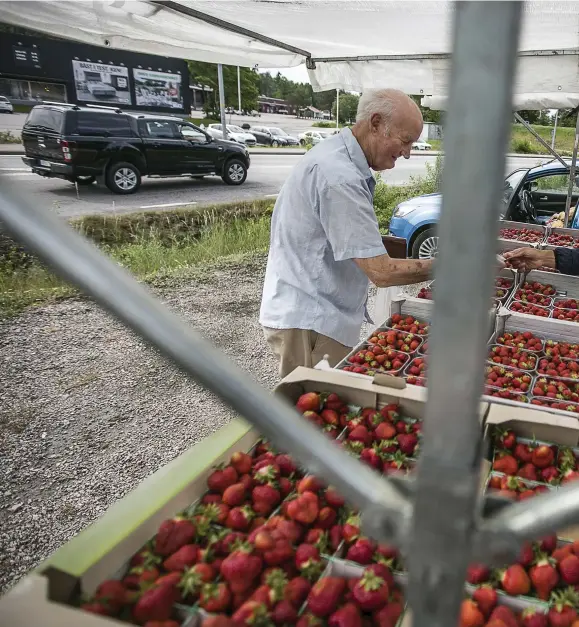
(353,45)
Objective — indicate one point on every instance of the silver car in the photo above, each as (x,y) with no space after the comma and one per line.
(6,105)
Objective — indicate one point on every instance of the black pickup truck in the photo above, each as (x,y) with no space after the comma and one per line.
(93,143)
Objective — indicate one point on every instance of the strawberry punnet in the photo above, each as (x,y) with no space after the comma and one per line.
(325,596)
(173,534)
(370,592)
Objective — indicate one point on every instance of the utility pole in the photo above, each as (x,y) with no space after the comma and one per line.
(337,108)
(221,99)
(239,89)
(555,130)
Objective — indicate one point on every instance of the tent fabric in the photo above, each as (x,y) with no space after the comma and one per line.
(342,29)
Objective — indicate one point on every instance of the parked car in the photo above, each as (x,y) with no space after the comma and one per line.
(84,144)
(273,136)
(421,145)
(312,137)
(530,195)
(6,105)
(234,133)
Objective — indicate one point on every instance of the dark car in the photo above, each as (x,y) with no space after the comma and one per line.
(84,144)
(273,136)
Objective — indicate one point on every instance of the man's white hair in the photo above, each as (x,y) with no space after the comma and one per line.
(382,101)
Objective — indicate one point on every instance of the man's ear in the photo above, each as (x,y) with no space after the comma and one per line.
(375,121)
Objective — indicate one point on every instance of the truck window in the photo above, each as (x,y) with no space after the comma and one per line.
(45,119)
(161,129)
(92,123)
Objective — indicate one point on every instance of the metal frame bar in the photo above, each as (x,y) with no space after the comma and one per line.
(232,28)
(445,526)
(445,508)
(572,173)
(540,139)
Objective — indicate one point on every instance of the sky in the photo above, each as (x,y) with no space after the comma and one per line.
(298,74)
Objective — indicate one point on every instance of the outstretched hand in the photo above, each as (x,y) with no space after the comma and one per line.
(527,259)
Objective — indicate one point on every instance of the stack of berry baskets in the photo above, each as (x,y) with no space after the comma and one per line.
(388,349)
(565,309)
(533,298)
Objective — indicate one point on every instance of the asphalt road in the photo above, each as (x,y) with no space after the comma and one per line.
(266,176)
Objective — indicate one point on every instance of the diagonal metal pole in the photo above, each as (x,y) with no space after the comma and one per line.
(111,286)
(572,173)
(479,114)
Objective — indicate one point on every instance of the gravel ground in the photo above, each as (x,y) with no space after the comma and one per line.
(87,410)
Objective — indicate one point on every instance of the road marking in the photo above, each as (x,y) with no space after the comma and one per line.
(168,204)
(15,169)
(271,195)
(20,174)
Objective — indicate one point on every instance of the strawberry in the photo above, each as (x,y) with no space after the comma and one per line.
(250,613)
(113,593)
(389,615)
(101,608)
(407,443)
(306,554)
(506,463)
(183,558)
(528,471)
(309,402)
(371,457)
(235,494)
(156,603)
(569,569)
(550,474)
(141,575)
(515,580)
(193,578)
(478,573)
(532,617)
(470,615)
(215,597)
(549,543)
(222,478)
(286,465)
(173,534)
(325,595)
(362,551)
(289,529)
(562,612)
(527,555)
(544,576)
(543,456)
(385,431)
(241,567)
(486,598)
(360,434)
(285,487)
(266,472)
(506,439)
(264,499)
(335,537)
(242,462)
(296,591)
(333,499)
(561,552)
(239,518)
(505,615)
(347,616)
(284,613)
(351,529)
(161,623)
(309,484)
(307,619)
(330,417)
(304,509)
(383,571)
(370,592)
(219,620)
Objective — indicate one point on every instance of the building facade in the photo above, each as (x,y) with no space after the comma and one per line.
(35,69)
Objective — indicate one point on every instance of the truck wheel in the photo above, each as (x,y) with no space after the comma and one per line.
(123,178)
(84,180)
(235,172)
(426,245)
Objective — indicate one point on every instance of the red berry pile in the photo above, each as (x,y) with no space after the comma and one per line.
(566,303)
(528,296)
(528,308)
(513,357)
(522,235)
(556,389)
(417,367)
(558,367)
(502,287)
(513,487)
(561,239)
(562,405)
(508,378)
(376,359)
(413,380)
(539,288)
(506,394)
(398,340)
(561,349)
(425,292)
(518,339)
(409,324)
(571,315)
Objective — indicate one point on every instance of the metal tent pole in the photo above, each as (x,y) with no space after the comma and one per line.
(221,99)
(572,173)
(337,108)
(447,483)
(239,89)
(554,135)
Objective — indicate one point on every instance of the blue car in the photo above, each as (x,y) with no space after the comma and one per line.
(530,195)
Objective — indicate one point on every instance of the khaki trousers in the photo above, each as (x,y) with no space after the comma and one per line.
(300,347)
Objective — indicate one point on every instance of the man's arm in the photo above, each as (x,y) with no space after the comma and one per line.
(384,271)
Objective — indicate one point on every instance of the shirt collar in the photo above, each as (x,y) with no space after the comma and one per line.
(355,152)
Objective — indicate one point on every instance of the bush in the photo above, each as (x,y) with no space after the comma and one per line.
(6,137)
(524,146)
(325,124)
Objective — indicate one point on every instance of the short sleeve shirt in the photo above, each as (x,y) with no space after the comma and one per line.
(323,219)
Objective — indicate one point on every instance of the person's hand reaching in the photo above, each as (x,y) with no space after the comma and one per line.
(527,259)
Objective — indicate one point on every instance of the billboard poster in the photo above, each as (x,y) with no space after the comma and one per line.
(157,89)
(98,82)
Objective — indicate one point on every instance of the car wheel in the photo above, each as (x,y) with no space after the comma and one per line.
(235,172)
(426,245)
(84,180)
(123,178)
(302,142)
(274,143)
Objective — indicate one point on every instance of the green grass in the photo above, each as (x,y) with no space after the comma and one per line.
(328,124)
(205,121)
(6,137)
(522,141)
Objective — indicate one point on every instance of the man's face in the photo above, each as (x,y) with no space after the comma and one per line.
(392,143)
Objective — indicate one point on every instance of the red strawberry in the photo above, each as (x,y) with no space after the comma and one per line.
(523,453)
(307,619)
(239,518)
(371,457)
(183,558)
(543,456)
(113,593)
(370,592)
(162,623)
(306,554)
(296,591)
(326,518)
(351,529)
(102,608)
(362,551)
(389,615)
(325,595)
(267,472)
(506,439)
(286,465)
(569,569)
(478,573)
(506,463)
(235,494)
(265,498)
(304,509)
(470,615)
(385,431)
(285,486)
(486,598)
(528,471)
(550,474)
(250,613)
(284,613)
(335,536)
(562,613)
(241,462)
(383,571)
(215,597)
(241,568)
(141,575)
(532,617)
(515,580)
(360,434)
(220,479)
(173,534)
(407,443)
(193,578)
(309,402)
(544,577)
(333,499)
(549,543)
(347,616)
(527,555)
(220,620)
(156,603)
(504,614)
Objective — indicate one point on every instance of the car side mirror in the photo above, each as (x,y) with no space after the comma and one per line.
(533,186)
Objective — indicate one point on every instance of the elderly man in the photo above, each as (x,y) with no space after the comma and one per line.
(325,243)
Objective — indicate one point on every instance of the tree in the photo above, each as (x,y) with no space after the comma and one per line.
(348,108)
(567,117)
(530,116)
(206,74)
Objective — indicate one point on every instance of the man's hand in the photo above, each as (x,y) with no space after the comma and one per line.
(384,271)
(527,259)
